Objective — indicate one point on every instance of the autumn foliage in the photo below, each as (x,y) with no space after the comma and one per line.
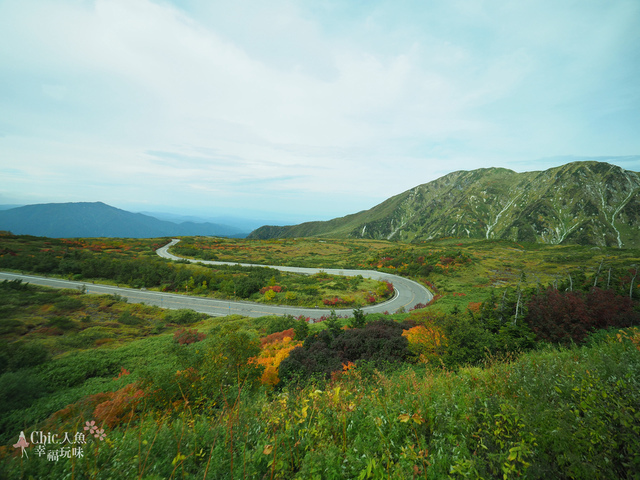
(277,337)
(119,407)
(275,348)
(426,342)
(186,336)
(564,317)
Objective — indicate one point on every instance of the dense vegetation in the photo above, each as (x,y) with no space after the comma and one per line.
(532,379)
(134,263)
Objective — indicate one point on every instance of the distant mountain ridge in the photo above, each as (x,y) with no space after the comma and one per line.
(589,203)
(96,219)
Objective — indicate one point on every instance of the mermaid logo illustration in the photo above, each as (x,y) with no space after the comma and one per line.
(22,443)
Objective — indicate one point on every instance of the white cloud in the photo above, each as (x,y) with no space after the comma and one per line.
(256,100)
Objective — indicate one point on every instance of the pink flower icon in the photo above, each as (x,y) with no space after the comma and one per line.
(100,434)
(91,426)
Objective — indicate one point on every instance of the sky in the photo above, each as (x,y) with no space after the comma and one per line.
(304,110)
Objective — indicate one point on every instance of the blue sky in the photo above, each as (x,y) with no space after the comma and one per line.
(304,110)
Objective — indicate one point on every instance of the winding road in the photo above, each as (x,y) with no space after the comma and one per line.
(407,292)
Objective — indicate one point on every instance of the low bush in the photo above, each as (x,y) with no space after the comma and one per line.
(22,355)
(183,316)
(127,319)
(68,304)
(186,336)
(570,316)
(379,344)
(61,322)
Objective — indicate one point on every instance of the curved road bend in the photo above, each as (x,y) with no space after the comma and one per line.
(407,292)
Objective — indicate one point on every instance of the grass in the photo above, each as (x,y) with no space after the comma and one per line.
(199,410)
(568,412)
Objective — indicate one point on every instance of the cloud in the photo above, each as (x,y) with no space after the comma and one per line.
(334,105)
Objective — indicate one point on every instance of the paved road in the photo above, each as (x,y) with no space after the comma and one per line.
(407,293)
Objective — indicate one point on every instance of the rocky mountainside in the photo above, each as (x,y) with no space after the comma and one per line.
(589,203)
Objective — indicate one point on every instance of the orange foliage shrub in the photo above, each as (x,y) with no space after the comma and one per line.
(474,307)
(82,409)
(119,407)
(273,353)
(107,408)
(425,341)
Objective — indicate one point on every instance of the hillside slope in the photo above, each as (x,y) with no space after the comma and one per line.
(85,219)
(589,203)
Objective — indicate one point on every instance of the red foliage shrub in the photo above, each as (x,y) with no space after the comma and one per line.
(123,372)
(275,288)
(563,317)
(187,336)
(418,306)
(81,409)
(50,331)
(332,301)
(277,337)
(326,317)
(434,299)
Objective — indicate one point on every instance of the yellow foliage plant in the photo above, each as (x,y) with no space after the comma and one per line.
(271,355)
(426,342)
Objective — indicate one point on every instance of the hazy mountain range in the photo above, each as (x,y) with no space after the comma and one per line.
(592,203)
(96,219)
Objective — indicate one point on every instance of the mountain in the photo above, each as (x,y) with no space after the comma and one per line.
(237,222)
(590,203)
(64,220)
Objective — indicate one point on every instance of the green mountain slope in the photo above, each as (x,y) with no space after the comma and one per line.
(581,202)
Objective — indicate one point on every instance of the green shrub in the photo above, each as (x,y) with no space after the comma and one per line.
(20,389)
(127,319)
(10,325)
(61,322)
(468,342)
(183,316)
(21,355)
(280,324)
(359,319)
(68,304)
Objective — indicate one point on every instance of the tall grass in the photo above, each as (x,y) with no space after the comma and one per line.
(553,413)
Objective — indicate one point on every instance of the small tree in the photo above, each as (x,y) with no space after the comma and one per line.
(359,318)
(333,324)
(301,328)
